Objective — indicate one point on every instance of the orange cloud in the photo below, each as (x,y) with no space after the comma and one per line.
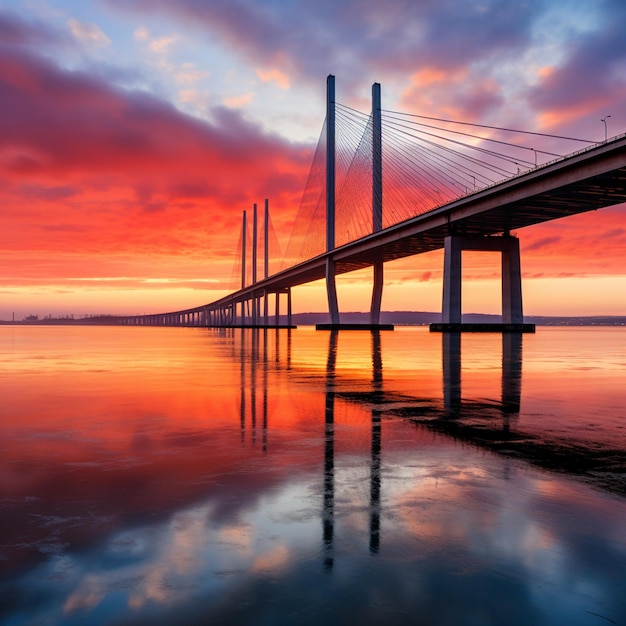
(554,118)
(236,102)
(545,72)
(429,76)
(274,75)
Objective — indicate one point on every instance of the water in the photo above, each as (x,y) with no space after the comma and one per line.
(192,476)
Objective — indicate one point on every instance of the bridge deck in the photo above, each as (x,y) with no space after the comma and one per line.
(585,181)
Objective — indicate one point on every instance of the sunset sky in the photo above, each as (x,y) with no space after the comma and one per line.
(133,133)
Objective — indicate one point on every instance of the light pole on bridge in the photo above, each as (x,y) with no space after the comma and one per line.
(603,120)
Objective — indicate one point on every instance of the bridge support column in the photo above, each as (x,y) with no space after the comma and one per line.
(331,291)
(377,294)
(512,311)
(289,306)
(451,313)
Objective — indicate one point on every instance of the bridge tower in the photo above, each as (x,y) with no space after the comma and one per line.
(377,207)
(331,285)
(377,200)
(249,304)
(244,233)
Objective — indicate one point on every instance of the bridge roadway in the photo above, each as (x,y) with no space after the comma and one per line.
(587,180)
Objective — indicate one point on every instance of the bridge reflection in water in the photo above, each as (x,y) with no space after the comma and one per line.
(489,423)
(452,407)
(511,373)
(328,515)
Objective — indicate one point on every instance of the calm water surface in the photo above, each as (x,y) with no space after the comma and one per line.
(192,476)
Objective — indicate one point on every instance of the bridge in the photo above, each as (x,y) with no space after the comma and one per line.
(451,212)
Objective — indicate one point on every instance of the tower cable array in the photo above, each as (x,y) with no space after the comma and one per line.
(427,162)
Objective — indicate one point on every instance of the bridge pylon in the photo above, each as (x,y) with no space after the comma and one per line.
(512,310)
(244,308)
(331,286)
(377,213)
(377,200)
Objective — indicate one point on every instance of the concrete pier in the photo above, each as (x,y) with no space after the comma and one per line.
(440,327)
(354,326)
(512,311)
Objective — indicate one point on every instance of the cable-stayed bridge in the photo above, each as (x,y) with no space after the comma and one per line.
(388,185)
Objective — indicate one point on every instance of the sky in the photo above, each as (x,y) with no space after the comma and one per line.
(134,133)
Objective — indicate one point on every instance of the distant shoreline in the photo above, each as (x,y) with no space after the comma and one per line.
(398,318)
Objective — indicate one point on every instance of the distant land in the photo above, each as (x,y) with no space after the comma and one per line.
(424,318)
(398,318)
